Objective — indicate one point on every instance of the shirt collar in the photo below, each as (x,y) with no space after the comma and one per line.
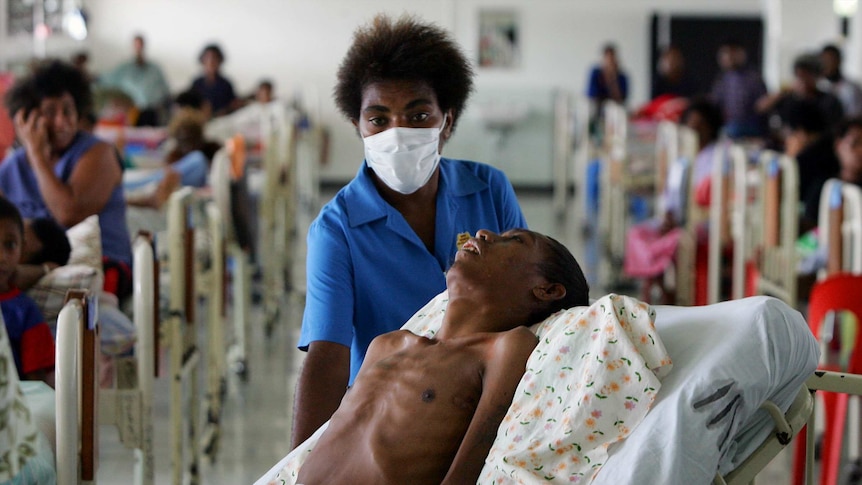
(364,204)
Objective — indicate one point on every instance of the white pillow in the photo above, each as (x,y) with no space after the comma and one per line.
(49,293)
(86,241)
(83,270)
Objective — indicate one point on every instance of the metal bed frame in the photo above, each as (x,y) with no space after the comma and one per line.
(278,136)
(221,178)
(841,226)
(77,390)
(774,234)
(129,406)
(678,144)
(188,438)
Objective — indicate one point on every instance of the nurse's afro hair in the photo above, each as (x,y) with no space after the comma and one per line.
(406,49)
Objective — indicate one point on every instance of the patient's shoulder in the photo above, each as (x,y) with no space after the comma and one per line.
(389,342)
(519,341)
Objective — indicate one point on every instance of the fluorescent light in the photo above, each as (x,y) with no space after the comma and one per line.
(75,24)
(845,8)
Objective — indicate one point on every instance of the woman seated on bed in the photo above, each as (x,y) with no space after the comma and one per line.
(63,173)
(438,402)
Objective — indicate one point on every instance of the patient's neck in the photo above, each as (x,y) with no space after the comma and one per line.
(467,316)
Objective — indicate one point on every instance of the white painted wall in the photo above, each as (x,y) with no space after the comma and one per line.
(299,43)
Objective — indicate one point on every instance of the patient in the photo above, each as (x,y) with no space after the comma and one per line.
(436,403)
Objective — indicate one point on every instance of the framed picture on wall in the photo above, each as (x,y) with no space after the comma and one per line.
(498,38)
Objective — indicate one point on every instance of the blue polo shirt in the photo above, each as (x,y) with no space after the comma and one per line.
(368,272)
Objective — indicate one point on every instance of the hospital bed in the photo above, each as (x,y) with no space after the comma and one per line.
(728,213)
(581,148)
(129,405)
(676,150)
(773,229)
(571,137)
(276,206)
(840,216)
(228,168)
(192,438)
(736,366)
(77,391)
(312,146)
(612,191)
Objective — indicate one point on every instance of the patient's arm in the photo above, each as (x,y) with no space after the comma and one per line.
(319,389)
(505,361)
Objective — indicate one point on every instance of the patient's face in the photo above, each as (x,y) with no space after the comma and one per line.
(849,149)
(503,266)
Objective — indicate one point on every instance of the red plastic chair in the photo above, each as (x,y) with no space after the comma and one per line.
(842,291)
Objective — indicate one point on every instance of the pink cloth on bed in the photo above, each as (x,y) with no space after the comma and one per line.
(648,251)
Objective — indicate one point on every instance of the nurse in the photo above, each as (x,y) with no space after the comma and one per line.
(379,250)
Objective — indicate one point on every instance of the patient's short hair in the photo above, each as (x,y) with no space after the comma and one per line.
(405,49)
(55,243)
(559,266)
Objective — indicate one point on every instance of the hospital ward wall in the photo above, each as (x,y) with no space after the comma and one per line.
(299,44)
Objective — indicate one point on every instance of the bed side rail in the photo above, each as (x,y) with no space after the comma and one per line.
(77,389)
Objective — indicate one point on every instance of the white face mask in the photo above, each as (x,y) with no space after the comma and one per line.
(404,158)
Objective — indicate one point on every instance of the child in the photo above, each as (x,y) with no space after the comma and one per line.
(30,338)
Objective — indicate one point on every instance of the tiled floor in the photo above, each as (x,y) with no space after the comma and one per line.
(257,413)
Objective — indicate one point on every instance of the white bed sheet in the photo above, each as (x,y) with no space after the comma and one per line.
(757,348)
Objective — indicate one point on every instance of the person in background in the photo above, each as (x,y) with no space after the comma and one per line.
(670,78)
(63,173)
(29,336)
(264,92)
(144,82)
(834,82)
(192,100)
(806,72)
(186,164)
(81,61)
(607,82)
(808,140)
(214,87)
(737,92)
(848,148)
(379,249)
